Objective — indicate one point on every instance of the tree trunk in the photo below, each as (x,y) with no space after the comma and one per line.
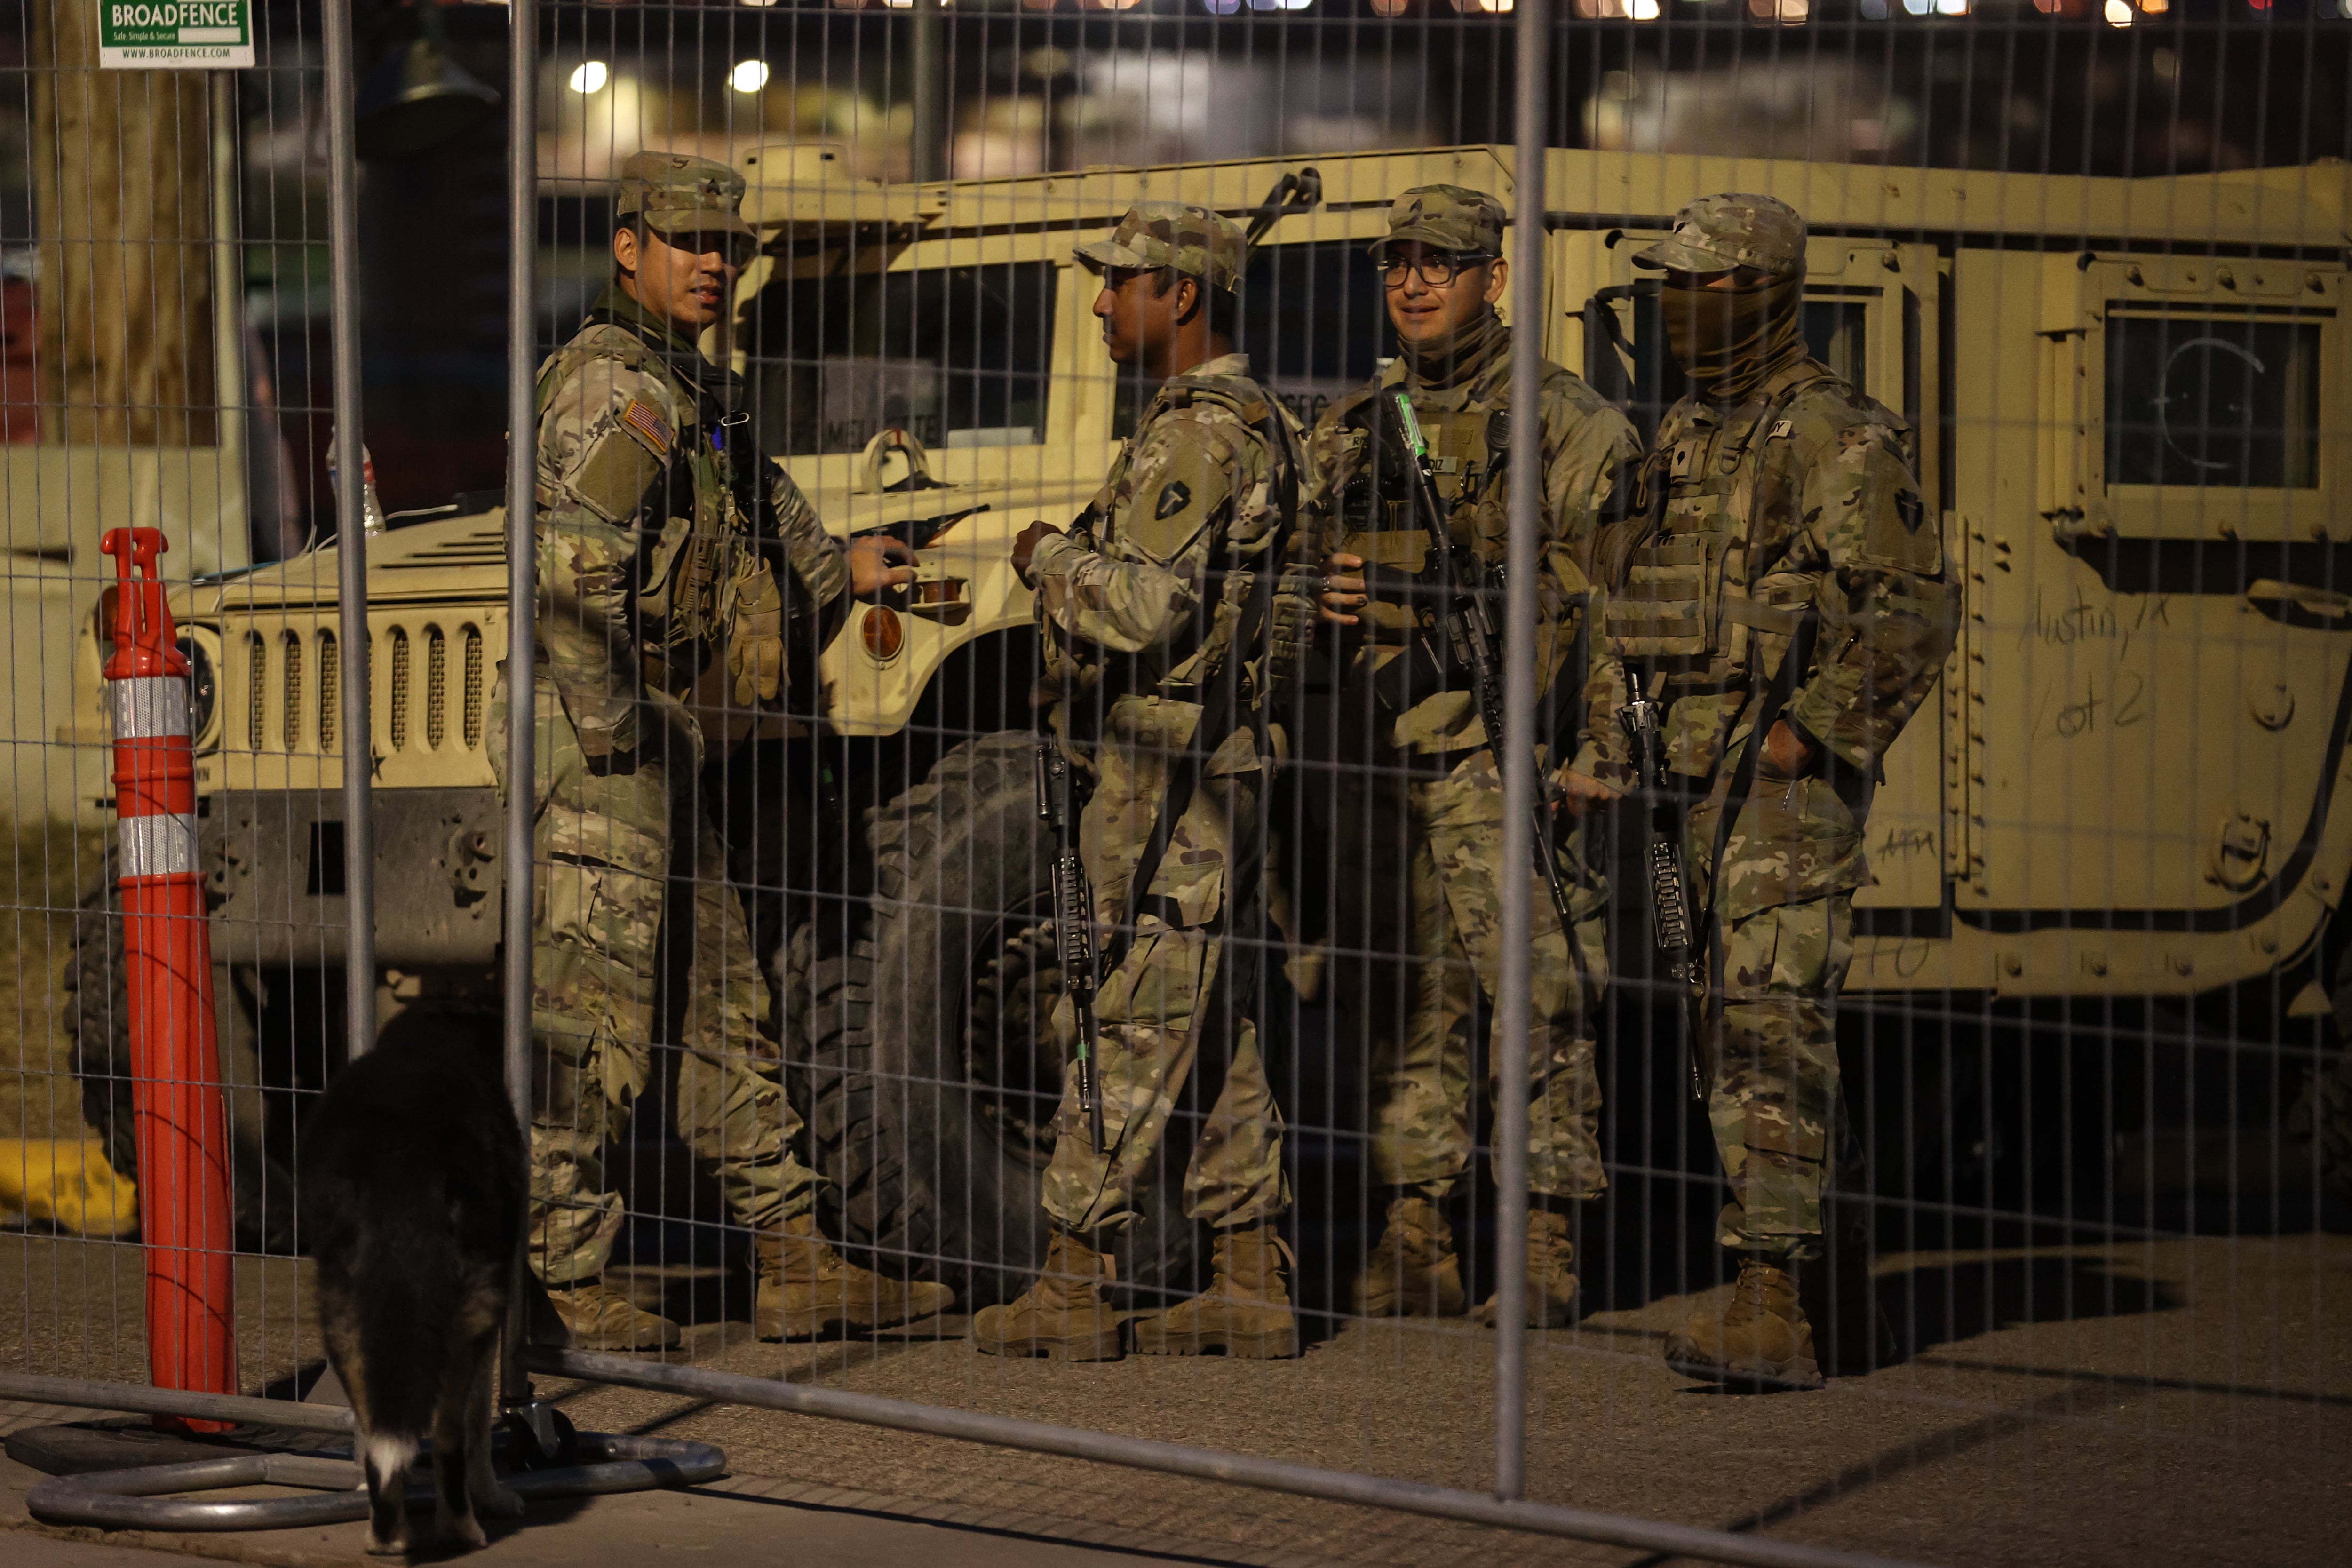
(120,164)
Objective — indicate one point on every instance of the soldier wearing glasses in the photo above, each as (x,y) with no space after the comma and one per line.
(1425,816)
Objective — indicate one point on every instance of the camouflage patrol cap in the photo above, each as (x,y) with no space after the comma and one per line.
(1444,218)
(1714,234)
(1190,239)
(672,192)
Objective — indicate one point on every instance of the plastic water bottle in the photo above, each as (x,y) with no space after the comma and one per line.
(371,508)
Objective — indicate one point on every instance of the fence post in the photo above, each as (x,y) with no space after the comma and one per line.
(522,601)
(928,67)
(1512,748)
(350,534)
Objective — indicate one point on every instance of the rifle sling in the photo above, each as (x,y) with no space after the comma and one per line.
(1778,695)
(1218,715)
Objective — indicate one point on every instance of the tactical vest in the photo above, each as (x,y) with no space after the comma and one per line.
(1469,448)
(1689,598)
(1260,415)
(704,547)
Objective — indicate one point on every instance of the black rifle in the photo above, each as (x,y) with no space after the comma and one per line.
(1074,917)
(1474,643)
(1677,934)
(1662,856)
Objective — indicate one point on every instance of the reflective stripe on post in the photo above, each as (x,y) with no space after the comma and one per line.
(182,1120)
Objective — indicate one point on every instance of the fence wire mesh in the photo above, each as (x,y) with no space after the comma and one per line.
(1965,502)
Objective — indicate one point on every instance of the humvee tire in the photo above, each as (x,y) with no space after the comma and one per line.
(935,1086)
(2322,1112)
(2324,1116)
(98,1019)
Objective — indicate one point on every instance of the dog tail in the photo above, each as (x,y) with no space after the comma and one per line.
(408,1309)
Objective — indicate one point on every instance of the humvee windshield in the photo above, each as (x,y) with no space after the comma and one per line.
(958,356)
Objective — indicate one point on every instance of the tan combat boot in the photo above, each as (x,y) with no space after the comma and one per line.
(1246,1310)
(1412,1273)
(605,1319)
(1762,1338)
(805,1286)
(1064,1316)
(1552,1274)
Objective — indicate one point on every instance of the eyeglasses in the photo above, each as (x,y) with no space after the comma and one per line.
(1437,270)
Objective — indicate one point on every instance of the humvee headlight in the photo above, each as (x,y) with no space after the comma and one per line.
(204,692)
(884,633)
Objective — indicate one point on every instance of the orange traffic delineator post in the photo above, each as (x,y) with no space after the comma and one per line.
(177,1106)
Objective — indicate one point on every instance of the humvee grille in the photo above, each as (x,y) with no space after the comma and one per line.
(330,692)
(436,687)
(399,689)
(258,673)
(473,720)
(293,727)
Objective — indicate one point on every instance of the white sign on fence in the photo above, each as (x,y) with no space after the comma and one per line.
(174,35)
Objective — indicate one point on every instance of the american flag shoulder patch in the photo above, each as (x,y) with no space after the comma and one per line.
(642,421)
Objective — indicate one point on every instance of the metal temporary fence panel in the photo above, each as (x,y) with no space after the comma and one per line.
(2035,981)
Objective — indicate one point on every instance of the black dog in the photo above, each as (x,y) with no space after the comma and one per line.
(412,1183)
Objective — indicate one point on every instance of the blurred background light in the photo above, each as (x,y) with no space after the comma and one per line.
(589,77)
(749,75)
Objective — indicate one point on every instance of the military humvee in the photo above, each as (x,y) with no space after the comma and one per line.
(2132,401)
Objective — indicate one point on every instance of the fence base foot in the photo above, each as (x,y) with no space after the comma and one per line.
(142,1497)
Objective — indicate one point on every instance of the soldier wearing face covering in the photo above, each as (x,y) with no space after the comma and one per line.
(1782,588)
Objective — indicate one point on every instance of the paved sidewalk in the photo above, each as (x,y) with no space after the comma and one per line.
(731,1521)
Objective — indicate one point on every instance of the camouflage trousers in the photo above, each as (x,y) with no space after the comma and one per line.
(1433,849)
(1168,1005)
(630,878)
(1773,1044)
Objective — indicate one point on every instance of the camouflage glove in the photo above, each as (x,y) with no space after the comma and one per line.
(1291,637)
(755,644)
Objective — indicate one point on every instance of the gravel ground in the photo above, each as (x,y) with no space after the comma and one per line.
(2183,1401)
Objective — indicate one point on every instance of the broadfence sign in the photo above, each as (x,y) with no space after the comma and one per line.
(174,35)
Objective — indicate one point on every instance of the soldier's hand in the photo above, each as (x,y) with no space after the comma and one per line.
(755,643)
(1581,792)
(1025,547)
(1343,587)
(1785,752)
(877,562)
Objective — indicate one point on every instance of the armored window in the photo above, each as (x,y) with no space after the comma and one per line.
(954,355)
(2226,400)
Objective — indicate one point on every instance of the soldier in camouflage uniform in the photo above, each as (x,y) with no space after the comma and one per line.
(1141,604)
(675,565)
(1780,521)
(1424,810)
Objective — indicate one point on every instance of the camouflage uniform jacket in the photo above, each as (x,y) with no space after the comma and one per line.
(1801,498)
(645,554)
(1589,448)
(1184,521)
